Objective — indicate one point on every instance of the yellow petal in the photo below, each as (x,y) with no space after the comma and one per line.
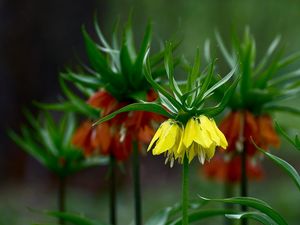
(167,138)
(179,143)
(157,134)
(210,152)
(223,141)
(207,124)
(190,131)
(201,154)
(202,137)
(191,152)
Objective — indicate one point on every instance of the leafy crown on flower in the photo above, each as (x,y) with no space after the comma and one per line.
(265,83)
(50,143)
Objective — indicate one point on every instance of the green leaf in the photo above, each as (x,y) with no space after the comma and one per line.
(73,218)
(63,106)
(295,143)
(289,59)
(145,106)
(157,58)
(224,51)
(268,54)
(213,111)
(100,34)
(68,129)
(285,166)
(160,218)
(29,147)
(205,85)
(159,88)
(97,60)
(202,214)
(262,218)
(88,81)
(194,72)
(139,63)
(207,55)
(80,105)
(169,66)
(220,82)
(253,203)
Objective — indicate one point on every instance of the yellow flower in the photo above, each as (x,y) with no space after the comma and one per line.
(168,140)
(201,137)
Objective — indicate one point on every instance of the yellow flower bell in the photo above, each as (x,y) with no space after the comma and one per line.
(167,139)
(201,137)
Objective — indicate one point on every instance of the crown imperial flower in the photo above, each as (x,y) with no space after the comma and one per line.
(199,137)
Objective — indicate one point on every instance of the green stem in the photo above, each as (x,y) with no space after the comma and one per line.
(137,185)
(61,197)
(112,191)
(244,182)
(185,191)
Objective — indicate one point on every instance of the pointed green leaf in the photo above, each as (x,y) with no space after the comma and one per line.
(224,50)
(73,218)
(220,82)
(169,66)
(283,165)
(158,87)
(262,218)
(268,54)
(160,218)
(202,214)
(139,63)
(295,143)
(257,204)
(80,105)
(145,106)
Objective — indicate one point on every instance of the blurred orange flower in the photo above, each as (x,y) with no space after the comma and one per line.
(239,127)
(115,137)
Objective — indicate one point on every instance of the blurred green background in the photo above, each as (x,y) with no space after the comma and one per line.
(38,38)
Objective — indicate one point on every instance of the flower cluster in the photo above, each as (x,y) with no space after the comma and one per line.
(198,138)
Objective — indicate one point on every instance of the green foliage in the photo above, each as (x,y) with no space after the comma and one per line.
(72,218)
(264,82)
(50,144)
(185,100)
(295,142)
(120,70)
(254,203)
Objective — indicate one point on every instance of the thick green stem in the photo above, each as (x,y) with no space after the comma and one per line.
(185,191)
(112,191)
(137,185)
(61,197)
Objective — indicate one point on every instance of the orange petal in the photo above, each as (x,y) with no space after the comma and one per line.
(267,131)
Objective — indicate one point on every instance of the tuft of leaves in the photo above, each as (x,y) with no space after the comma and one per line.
(50,144)
(264,82)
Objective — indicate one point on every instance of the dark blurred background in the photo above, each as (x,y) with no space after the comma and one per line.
(39,38)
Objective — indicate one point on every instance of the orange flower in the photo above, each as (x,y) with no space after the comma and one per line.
(116,135)
(239,127)
(230,170)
